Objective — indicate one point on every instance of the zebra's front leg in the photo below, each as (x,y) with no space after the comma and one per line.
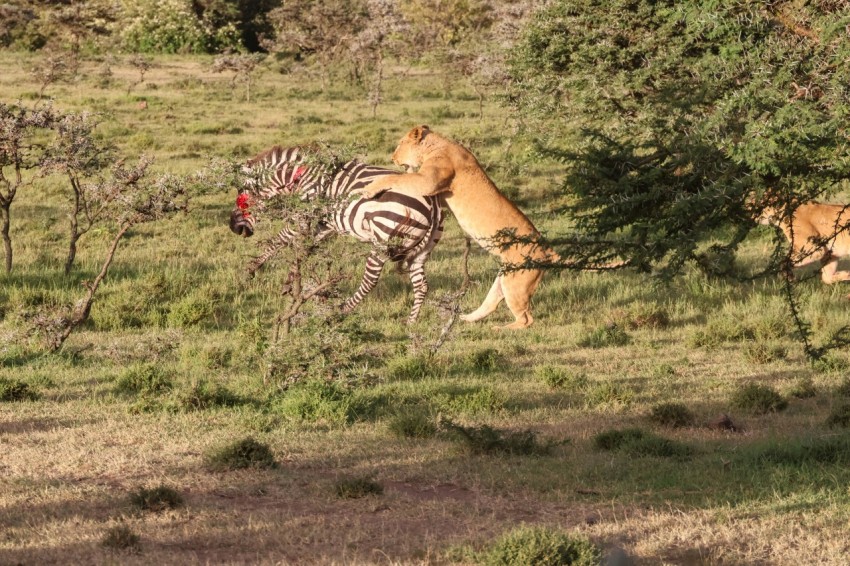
(420,289)
(374,266)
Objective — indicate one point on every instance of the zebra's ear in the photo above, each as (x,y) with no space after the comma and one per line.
(418,133)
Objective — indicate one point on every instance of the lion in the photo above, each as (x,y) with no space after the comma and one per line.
(818,233)
(446,168)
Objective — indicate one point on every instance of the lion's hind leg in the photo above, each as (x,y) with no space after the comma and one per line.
(494,297)
(830,274)
(518,287)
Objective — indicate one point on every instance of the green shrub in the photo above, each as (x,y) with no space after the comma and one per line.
(843,389)
(485,439)
(484,361)
(245,453)
(16,390)
(191,310)
(156,499)
(318,400)
(410,368)
(560,378)
(357,487)
(609,394)
(839,417)
(829,450)
(143,379)
(413,423)
(830,363)
(170,26)
(121,537)
(468,401)
(672,414)
(758,399)
(203,394)
(637,442)
(804,388)
(605,336)
(763,353)
(541,546)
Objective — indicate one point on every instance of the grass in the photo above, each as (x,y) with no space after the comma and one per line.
(169,374)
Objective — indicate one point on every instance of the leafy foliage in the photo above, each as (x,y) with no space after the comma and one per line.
(680,121)
(758,399)
(543,546)
(245,453)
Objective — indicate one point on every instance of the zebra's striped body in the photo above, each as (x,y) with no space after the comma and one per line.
(400,228)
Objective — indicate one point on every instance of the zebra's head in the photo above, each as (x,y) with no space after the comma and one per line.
(241,220)
(270,173)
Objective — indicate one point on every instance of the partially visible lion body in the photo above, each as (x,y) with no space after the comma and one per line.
(485,214)
(817,232)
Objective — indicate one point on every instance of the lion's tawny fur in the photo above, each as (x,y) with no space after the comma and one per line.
(817,232)
(449,169)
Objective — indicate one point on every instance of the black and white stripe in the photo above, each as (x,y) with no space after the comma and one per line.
(400,228)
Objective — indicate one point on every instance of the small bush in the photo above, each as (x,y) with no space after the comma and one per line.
(830,363)
(559,378)
(410,368)
(485,439)
(541,546)
(15,390)
(121,537)
(763,353)
(804,388)
(637,442)
(839,417)
(605,336)
(720,330)
(485,361)
(245,453)
(467,401)
(357,487)
(608,394)
(830,450)
(156,499)
(843,389)
(413,424)
(191,310)
(203,395)
(318,400)
(143,379)
(647,316)
(758,399)
(672,414)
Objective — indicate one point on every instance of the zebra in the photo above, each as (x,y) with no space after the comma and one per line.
(401,228)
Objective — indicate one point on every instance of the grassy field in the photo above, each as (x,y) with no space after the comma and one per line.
(602,421)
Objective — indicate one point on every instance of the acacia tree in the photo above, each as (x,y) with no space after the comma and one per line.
(672,114)
(78,156)
(676,118)
(133,196)
(22,147)
(322,29)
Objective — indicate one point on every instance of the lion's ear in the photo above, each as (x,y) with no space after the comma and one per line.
(418,133)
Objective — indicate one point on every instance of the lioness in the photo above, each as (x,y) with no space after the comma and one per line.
(447,168)
(818,233)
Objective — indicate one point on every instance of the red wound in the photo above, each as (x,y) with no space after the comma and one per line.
(243,201)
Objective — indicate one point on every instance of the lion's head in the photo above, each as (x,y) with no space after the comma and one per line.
(409,152)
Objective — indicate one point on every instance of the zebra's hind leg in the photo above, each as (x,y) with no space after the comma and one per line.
(374,266)
(420,288)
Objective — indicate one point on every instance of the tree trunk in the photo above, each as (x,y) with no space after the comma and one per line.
(7,240)
(75,234)
(83,309)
